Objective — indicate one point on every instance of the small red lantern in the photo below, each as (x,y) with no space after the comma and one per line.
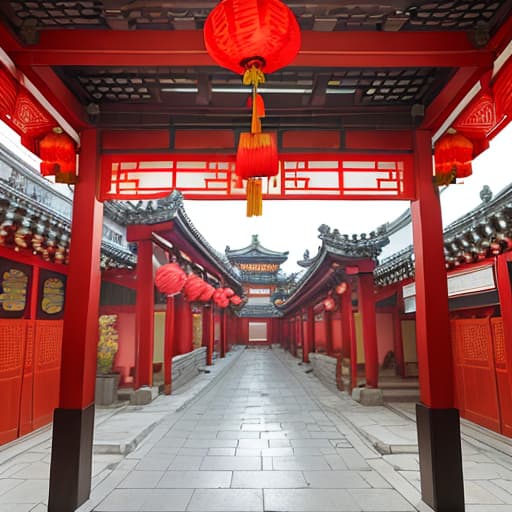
(341,288)
(170,279)
(453,154)
(329,304)
(58,154)
(194,287)
(236,300)
(207,293)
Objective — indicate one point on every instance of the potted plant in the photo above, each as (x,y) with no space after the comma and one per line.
(106,380)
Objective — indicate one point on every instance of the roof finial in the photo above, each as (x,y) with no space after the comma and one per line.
(255,240)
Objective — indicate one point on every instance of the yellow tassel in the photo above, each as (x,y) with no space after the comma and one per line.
(254,197)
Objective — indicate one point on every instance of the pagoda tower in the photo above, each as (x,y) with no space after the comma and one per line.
(260,274)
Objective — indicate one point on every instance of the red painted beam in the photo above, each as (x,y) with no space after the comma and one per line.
(186,48)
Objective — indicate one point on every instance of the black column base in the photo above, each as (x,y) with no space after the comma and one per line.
(442,484)
(71,462)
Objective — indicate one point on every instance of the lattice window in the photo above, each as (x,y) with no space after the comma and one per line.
(475,341)
(302,176)
(499,341)
(12,338)
(49,337)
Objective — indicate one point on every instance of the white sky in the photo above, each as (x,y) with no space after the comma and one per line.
(293,225)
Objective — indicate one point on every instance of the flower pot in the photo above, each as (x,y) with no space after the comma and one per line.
(106,388)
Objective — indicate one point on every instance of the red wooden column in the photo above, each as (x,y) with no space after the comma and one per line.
(168,344)
(144,315)
(183,326)
(206,333)
(398,344)
(346,323)
(222,340)
(505,294)
(328,332)
(306,340)
(437,420)
(73,421)
(310,334)
(369,321)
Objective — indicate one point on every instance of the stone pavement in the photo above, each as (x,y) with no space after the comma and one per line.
(263,436)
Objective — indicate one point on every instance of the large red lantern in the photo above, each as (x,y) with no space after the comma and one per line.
(241,33)
(251,37)
(453,154)
(170,279)
(58,154)
(207,293)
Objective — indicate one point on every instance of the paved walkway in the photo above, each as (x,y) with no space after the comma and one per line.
(265,436)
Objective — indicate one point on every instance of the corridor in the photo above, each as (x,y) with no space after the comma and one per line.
(258,433)
(257,441)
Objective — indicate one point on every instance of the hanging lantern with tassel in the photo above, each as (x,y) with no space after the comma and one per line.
(453,154)
(251,37)
(57,151)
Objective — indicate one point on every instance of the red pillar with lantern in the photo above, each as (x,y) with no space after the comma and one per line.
(73,422)
(328,333)
(437,420)
(369,324)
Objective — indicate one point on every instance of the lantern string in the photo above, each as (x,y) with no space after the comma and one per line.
(254,76)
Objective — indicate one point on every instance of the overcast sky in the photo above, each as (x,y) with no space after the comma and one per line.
(293,225)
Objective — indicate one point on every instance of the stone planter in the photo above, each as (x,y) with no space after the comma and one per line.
(106,389)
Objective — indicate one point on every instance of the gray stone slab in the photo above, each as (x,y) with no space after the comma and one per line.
(335,480)
(195,479)
(226,500)
(268,479)
(141,480)
(381,500)
(231,463)
(145,500)
(300,463)
(309,500)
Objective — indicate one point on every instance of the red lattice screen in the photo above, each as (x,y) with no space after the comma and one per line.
(302,176)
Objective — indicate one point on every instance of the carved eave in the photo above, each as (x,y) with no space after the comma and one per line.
(360,247)
(36,218)
(328,267)
(484,232)
(171,208)
(255,252)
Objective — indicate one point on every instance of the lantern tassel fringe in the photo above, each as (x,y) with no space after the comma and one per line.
(254,197)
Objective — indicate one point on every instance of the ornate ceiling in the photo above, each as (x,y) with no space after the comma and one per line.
(142,63)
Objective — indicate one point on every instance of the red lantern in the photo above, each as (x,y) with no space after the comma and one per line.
(236,300)
(251,37)
(194,287)
(207,293)
(240,31)
(228,292)
(341,288)
(453,154)
(329,304)
(170,279)
(58,154)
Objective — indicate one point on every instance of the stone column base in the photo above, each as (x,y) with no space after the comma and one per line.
(368,396)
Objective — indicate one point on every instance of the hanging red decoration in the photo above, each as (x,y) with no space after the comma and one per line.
(253,37)
(236,300)
(453,154)
(228,292)
(58,154)
(194,287)
(207,293)
(170,279)
(238,31)
(341,288)
(329,304)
